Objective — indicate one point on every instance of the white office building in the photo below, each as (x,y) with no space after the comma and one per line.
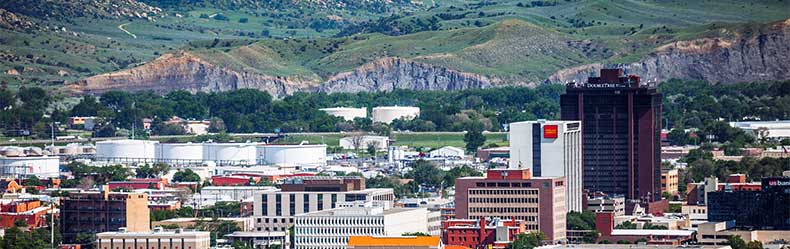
(330,229)
(550,148)
(274,210)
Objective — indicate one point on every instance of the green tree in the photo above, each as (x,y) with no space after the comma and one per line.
(240,245)
(20,223)
(415,234)
(623,242)
(754,244)
(580,221)
(169,129)
(736,242)
(527,241)
(32,181)
(626,225)
(186,175)
(474,139)
(425,173)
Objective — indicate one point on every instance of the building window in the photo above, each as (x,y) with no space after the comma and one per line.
(265,204)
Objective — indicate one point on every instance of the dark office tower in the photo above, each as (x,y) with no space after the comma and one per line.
(621,129)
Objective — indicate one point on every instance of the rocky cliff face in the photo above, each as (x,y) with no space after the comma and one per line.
(184,71)
(759,56)
(389,73)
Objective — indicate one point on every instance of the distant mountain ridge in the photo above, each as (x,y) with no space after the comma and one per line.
(285,46)
(62,10)
(760,54)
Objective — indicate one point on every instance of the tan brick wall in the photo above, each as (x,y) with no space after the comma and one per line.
(138,217)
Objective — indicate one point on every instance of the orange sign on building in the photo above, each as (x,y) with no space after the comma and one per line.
(550,131)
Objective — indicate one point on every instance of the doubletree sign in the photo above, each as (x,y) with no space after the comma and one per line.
(550,131)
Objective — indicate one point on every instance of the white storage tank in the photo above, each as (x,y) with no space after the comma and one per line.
(386,114)
(347,113)
(40,166)
(126,150)
(180,153)
(230,153)
(293,154)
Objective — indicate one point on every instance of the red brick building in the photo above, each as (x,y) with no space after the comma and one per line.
(139,183)
(30,211)
(512,193)
(481,233)
(233,180)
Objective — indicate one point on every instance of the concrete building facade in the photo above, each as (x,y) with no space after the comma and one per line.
(513,193)
(274,210)
(614,205)
(155,239)
(550,148)
(330,229)
(669,181)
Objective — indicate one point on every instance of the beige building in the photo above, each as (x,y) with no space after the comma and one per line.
(669,181)
(155,239)
(274,210)
(614,205)
(716,233)
(513,194)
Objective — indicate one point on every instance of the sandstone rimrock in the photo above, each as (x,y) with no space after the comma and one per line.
(184,71)
(754,55)
(390,73)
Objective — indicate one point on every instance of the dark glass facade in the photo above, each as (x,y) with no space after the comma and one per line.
(621,133)
(765,209)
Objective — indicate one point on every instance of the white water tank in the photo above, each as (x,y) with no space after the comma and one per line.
(40,166)
(230,153)
(126,150)
(292,154)
(386,114)
(347,113)
(180,152)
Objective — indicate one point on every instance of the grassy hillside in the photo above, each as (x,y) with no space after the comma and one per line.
(516,41)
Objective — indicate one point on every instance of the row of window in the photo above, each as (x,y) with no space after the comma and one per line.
(503,191)
(340,231)
(503,209)
(348,221)
(321,240)
(274,220)
(292,202)
(503,200)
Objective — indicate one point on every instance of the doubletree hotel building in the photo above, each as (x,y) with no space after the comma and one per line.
(621,129)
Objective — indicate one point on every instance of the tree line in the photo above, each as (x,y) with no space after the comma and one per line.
(686,104)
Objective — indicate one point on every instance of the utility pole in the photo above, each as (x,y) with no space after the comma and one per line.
(52,126)
(134,122)
(52,223)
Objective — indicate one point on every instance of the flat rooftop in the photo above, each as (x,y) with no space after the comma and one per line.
(331,212)
(646,232)
(630,246)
